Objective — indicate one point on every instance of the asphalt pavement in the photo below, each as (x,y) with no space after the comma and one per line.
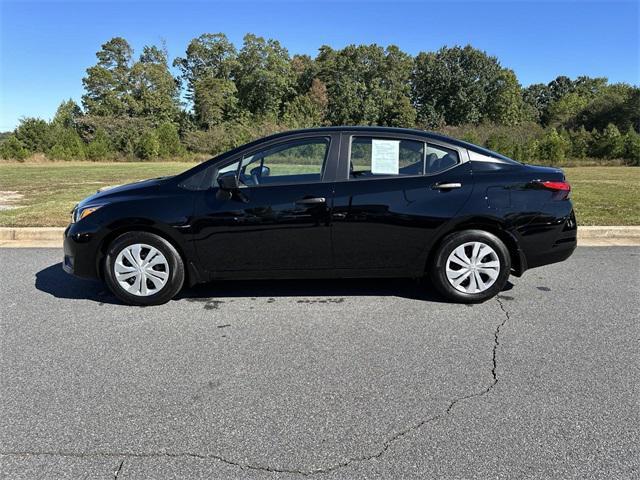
(322,379)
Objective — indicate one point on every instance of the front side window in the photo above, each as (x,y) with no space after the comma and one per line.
(298,161)
(440,159)
(383,157)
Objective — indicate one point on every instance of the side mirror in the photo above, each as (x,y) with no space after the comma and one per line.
(260,171)
(228,181)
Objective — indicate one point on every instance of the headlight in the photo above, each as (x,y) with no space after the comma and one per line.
(80,213)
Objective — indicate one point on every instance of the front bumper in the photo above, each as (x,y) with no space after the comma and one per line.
(80,252)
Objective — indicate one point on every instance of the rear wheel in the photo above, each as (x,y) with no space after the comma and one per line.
(470,266)
(143,269)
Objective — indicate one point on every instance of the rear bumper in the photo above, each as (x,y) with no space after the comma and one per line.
(549,242)
(556,254)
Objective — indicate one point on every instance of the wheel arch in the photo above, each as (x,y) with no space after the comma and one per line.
(192,275)
(493,226)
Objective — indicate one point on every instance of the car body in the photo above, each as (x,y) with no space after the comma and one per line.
(331,202)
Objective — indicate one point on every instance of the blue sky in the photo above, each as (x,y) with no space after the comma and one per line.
(45,47)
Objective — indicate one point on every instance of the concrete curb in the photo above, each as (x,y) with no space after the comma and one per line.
(608,232)
(31,237)
(47,234)
(25,237)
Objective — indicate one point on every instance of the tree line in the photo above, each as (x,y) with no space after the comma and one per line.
(221,96)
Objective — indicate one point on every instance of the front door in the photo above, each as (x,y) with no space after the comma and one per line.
(398,193)
(279,218)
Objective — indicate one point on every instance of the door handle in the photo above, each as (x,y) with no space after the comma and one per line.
(311,201)
(446,186)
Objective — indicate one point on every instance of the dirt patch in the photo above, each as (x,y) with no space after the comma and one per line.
(8,199)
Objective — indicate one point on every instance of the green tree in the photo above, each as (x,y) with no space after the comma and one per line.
(537,96)
(12,149)
(67,114)
(208,56)
(264,77)
(501,143)
(559,87)
(589,87)
(504,104)
(148,146)
(471,136)
(168,140)
(99,148)
(215,101)
(543,98)
(609,143)
(562,98)
(552,148)
(454,85)
(632,147)
(527,151)
(618,104)
(367,85)
(154,91)
(305,70)
(307,110)
(563,110)
(108,83)
(580,142)
(631,109)
(35,134)
(396,108)
(122,132)
(68,145)
(397,111)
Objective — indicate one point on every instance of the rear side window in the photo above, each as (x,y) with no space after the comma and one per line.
(440,159)
(384,157)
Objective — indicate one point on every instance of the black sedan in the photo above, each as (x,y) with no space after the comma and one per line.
(328,202)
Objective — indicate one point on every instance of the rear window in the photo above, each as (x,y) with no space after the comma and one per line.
(440,159)
(385,157)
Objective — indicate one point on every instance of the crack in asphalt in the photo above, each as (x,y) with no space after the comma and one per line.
(117,472)
(247,466)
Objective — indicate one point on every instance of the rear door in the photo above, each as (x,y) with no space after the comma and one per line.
(279,219)
(392,196)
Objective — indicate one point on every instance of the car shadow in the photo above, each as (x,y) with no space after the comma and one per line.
(329,288)
(55,281)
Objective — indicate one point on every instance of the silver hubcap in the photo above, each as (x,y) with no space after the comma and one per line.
(473,267)
(141,269)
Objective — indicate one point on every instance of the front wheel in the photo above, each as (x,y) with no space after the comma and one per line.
(143,269)
(470,266)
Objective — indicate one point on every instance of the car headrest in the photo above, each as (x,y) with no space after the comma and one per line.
(432,159)
(448,161)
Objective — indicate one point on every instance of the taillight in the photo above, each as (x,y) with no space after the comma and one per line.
(559,186)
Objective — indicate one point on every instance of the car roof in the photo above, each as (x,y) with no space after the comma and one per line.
(350,128)
(372,129)
(376,129)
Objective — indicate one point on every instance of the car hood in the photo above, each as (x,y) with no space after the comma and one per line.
(108,192)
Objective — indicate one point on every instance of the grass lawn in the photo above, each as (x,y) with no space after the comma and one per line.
(45,192)
(605,195)
(52,189)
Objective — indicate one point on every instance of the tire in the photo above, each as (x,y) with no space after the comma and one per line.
(134,281)
(485,274)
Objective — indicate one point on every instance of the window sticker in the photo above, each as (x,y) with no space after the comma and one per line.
(385,157)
